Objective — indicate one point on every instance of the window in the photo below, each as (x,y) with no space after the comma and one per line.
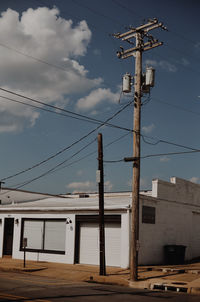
(148,214)
(44,235)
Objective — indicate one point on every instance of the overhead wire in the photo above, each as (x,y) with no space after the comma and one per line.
(93,152)
(18,186)
(103,123)
(59,166)
(68,147)
(158,141)
(169,153)
(165,142)
(158,100)
(155,155)
(73,114)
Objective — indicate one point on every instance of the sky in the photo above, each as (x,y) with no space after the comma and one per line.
(62,54)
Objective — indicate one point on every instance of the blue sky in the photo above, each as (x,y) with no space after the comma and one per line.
(63,53)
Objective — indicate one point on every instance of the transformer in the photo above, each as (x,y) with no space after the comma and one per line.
(126,83)
(150,77)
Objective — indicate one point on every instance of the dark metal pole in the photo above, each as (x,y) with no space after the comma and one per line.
(102,269)
(24,256)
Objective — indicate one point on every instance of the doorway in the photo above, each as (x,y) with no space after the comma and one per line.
(8,236)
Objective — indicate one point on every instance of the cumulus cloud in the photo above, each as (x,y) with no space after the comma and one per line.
(96,97)
(194,179)
(144,184)
(148,129)
(164,159)
(41,33)
(85,186)
(88,186)
(108,186)
(197,46)
(163,64)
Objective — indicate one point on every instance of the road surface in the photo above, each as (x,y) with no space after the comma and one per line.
(27,287)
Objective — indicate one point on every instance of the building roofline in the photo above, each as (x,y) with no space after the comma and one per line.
(32,192)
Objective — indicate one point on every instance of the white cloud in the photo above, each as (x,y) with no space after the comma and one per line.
(88,186)
(108,185)
(143,184)
(197,45)
(96,97)
(164,159)
(43,34)
(184,62)
(165,65)
(148,129)
(194,179)
(85,186)
(14,117)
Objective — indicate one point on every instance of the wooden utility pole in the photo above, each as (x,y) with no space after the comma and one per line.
(102,267)
(136,163)
(139,33)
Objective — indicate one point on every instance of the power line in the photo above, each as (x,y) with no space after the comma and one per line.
(68,147)
(165,142)
(52,169)
(93,152)
(175,106)
(84,118)
(32,57)
(97,12)
(80,116)
(58,166)
(101,124)
(153,155)
(127,9)
(170,153)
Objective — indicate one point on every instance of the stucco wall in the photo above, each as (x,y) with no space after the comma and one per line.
(179,190)
(70,239)
(175,225)
(36,256)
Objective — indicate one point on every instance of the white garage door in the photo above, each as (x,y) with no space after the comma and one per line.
(89,243)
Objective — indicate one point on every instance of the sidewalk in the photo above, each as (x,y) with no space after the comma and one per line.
(180,278)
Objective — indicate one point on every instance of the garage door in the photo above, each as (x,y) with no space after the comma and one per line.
(89,243)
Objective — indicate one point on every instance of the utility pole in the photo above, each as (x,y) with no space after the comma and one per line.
(139,34)
(102,268)
(1,182)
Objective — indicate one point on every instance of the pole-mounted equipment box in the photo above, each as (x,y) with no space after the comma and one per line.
(150,77)
(126,83)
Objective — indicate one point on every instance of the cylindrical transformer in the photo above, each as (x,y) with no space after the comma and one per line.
(150,76)
(126,84)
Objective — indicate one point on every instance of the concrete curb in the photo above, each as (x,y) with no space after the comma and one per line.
(107,280)
(21,269)
(158,284)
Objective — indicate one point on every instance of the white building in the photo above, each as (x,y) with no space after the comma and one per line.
(66,229)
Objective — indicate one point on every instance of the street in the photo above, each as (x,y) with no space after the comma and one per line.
(27,287)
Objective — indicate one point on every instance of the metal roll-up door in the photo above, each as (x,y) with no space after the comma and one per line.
(89,243)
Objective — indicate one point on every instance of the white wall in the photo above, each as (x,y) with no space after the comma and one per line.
(178,189)
(174,226)
(125,240)
(70,239)
(36,256)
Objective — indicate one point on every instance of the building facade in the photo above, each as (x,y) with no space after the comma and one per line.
(66,230)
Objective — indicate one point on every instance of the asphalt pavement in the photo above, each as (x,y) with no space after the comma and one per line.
(174,278)
(20,287)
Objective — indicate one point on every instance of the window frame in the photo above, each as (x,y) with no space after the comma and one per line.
(42,250)
(149,218)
